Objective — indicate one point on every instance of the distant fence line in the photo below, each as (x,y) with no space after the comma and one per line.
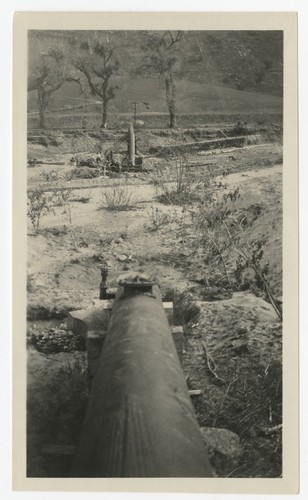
(158,121)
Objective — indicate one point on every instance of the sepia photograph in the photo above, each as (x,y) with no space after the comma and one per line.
(155,226)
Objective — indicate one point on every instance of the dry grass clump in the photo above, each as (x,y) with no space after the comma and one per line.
(118,198)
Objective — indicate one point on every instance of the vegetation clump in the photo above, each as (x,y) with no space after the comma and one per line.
(55,340)
(118,197)
(157,219)
(39,205)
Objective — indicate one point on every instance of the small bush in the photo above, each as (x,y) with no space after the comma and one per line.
(178,186)
(231,256)
(60,197)
(39,205)
(118,197)
(157,219)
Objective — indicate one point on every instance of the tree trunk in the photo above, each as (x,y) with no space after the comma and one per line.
(42,107)
(173,121)
(42,118)
(171,100)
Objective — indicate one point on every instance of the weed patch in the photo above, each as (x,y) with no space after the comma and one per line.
(54,340)
(178,185)
(157,219)
(118,198)
(231,257)
(39,205)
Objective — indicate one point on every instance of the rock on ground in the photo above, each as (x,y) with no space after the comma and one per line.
(222,444)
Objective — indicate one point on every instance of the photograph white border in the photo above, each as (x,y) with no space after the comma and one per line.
(292,7)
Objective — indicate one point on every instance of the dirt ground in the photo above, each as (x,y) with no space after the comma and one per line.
(233,336)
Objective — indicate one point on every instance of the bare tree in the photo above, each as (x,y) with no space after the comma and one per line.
(98,64)
(51,72)
(161,56)
(49,75)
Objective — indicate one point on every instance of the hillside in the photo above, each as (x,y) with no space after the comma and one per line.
(193,97)
(216,72)
(245,60)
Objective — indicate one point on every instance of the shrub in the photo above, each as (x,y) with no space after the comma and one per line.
(60,197)
(157,219)
(39,205)
(224,238)
(118,197)
(177,186)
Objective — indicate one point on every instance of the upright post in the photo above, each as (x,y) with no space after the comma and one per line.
(131,145)
(103,284)
(135,112)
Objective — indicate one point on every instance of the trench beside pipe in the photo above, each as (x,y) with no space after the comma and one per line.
(140,421)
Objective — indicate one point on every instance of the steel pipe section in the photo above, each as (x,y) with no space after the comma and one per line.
(140,421)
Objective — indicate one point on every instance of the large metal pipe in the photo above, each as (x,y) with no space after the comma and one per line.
(140,421)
